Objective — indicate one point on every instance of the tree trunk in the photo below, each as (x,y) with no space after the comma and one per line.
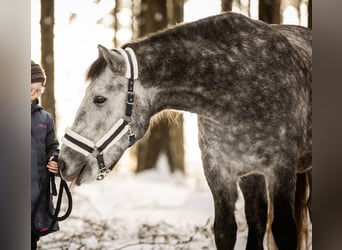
(175,143)
(175,12)
(249,8)
(153,16)
(226,5)
(296,4)
(165,136)
(310,14)
(269,11)
(47,55)
(116,23)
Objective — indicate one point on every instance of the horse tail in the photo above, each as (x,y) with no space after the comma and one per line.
(302,207)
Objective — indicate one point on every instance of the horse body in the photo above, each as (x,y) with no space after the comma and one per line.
(301,39)
(249,86)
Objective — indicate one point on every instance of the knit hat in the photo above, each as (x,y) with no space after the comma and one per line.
(37,73)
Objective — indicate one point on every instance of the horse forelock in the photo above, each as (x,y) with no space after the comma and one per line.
(96,69)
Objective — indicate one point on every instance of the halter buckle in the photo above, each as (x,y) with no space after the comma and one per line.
(101,176)
(130,97)
(131,136)
(103,172)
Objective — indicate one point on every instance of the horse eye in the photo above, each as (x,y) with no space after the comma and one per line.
(99,99)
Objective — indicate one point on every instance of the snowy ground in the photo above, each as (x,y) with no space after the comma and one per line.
(150,210)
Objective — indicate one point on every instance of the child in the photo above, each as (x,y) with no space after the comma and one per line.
(44,157)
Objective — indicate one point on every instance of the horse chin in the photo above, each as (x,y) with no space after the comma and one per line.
(85,175)
(76,177)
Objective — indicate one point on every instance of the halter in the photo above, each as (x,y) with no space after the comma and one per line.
(119,129)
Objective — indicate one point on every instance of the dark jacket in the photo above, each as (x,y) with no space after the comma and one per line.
(43,145)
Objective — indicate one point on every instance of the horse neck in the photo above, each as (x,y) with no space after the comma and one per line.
(189,65)
(197,67)
(180,81)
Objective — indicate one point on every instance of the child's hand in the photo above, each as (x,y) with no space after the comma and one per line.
(52,166)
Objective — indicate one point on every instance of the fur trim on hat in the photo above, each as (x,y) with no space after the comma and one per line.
(37,73)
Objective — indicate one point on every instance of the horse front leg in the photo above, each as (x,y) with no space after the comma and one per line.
(222,183)
(225,226)
(282,194)
(225,195)
(254,192)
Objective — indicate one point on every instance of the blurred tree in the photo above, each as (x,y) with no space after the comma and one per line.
(297,5)
(47,20)
(226,5)
(116,22)
(175,13)
(153,16)
(310,14)
(249,8)
(269,11)
(165,136)
(120,13)
(245,7)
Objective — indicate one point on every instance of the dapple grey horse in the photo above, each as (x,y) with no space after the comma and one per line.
(250,84)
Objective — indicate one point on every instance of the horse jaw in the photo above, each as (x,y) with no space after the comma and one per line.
(77,168)
(85,175)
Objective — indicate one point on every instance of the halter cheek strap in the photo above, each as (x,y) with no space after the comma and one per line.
(119,129)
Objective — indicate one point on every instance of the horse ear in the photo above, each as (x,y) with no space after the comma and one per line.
(113,58)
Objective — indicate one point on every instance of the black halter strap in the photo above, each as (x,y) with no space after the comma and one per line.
(79,143)
(112,137)
(130,92)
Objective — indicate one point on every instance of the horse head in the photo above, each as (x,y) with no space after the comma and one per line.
(112,115)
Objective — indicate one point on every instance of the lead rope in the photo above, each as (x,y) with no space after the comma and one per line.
(53,191)
(50,183)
